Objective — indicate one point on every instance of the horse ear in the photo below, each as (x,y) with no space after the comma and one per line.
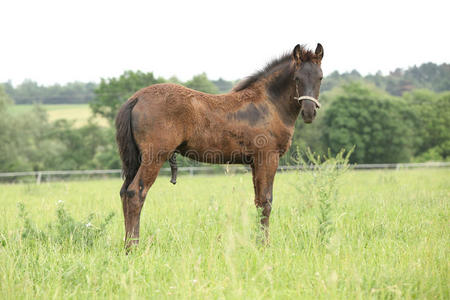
(296,54)
(319,51)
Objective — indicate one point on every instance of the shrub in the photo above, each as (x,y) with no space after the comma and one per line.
(65,230)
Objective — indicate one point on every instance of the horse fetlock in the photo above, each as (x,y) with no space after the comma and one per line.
(132,227)
(267,209)
(264,207)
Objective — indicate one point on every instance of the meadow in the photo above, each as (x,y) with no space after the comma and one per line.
(388,237)
(80,114)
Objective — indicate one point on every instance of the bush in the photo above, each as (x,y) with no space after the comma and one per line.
(65,230)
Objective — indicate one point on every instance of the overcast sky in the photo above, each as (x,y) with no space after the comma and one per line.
(61,41)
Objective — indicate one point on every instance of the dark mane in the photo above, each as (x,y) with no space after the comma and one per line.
(307,55)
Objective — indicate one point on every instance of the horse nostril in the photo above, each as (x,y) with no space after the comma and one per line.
(315,113)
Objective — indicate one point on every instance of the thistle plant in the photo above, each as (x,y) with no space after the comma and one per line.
(65,229)
(319,175)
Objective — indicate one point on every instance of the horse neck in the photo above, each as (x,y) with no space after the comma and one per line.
(280,90)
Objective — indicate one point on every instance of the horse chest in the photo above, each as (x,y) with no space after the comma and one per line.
(283,140)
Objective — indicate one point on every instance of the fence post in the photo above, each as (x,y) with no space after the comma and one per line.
(191,171)
(38,179)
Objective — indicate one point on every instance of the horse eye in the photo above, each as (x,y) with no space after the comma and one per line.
(320,78)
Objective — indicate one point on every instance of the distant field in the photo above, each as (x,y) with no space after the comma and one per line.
(199,240)
(80,113)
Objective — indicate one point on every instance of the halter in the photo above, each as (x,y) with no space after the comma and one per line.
(300,99)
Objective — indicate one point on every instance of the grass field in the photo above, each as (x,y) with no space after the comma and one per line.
(79,113)
(199,240)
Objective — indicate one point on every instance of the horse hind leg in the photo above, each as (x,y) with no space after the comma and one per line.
(133,200)
(173,168)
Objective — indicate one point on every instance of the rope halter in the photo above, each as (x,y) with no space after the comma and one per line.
(300,99)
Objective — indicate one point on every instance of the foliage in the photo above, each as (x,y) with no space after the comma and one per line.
(113,92)
(66,230)
(427,76)
(23,141)
(433,123)
(223,86)
(81,145)
(29,92)
(5,100)
(335,79)
(29,142)
(201,83)
(7,133)
(381,127)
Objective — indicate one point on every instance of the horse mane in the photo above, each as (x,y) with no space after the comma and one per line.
(274,65)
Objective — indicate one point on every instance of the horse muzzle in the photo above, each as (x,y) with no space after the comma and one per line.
(314,100)
(309,106)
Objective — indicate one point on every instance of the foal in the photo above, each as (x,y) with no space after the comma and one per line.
(252,125)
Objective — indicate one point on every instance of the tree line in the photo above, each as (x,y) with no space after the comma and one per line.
(30,92)
(426,76)
(401,117)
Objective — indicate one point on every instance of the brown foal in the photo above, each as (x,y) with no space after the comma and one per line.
(252,125)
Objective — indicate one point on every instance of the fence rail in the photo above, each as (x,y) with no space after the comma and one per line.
(224,168)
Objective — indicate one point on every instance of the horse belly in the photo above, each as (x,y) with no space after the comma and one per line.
(215,149)
(217,157)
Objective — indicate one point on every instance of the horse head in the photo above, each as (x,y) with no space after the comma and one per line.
(308,77)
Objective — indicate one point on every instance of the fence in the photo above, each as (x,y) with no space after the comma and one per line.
(210,170)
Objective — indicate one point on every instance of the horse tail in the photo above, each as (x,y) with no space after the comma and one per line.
(128,149)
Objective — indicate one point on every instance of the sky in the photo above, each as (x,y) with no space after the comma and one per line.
(63,41)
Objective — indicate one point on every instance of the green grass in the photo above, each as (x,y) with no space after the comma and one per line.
(199,240)
(79,113)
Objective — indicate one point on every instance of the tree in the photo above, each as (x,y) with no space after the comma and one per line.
(8,135)
(24,142)
(201,83)
(433,123)
(223,86)
(5,100)
(29,92)
(380,126)
(80,146)
(113,92)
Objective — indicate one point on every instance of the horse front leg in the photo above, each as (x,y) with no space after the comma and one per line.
(263,172)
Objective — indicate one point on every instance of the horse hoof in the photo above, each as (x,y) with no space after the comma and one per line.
(173,181)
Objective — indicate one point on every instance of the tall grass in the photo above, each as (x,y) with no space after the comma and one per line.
(387,237)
